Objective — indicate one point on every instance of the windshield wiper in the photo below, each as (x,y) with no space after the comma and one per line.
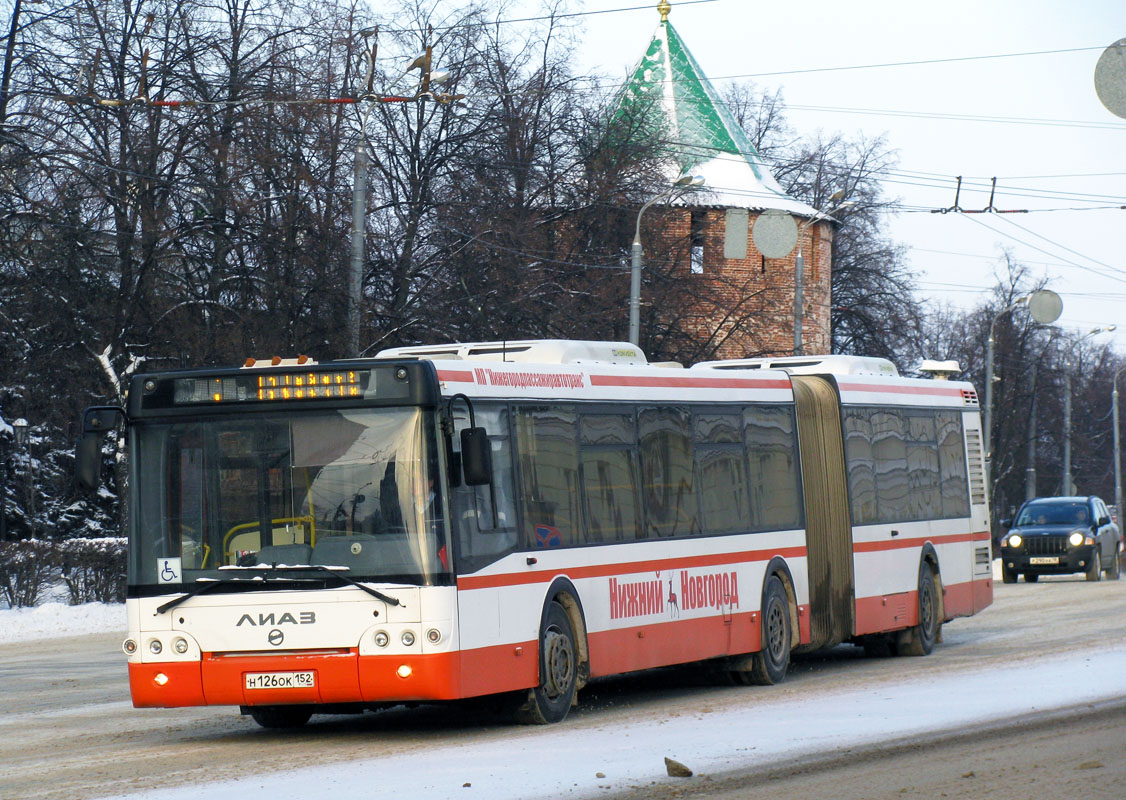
(336,573)
(207,584)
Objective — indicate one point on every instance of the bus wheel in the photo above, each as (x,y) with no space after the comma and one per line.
(879,645)
(551,700)
(281,716)
(920,640)
(771,662)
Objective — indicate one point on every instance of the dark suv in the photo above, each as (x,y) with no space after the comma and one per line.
(1060,535)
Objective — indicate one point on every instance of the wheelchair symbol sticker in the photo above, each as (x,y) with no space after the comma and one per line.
(168,570)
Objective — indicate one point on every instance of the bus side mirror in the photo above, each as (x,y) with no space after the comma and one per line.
(88,461)
(476,457)
(97,421)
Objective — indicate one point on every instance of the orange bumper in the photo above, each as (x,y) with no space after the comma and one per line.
(339,677)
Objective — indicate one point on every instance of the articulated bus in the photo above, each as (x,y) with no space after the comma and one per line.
(517,518)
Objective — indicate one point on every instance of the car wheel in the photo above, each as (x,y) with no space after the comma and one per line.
(1115,568)
(1008,575)
(1031,577)
(1094,569)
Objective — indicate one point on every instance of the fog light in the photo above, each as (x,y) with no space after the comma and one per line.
(129,646)
(160,679)
(155,646)
(180,645)
(408,638)
(434,636)
(1076,539)
(381,638)
(404,671)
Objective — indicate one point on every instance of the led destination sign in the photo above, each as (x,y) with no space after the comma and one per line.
(277,386)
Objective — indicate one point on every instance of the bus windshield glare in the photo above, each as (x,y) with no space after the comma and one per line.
(352,489)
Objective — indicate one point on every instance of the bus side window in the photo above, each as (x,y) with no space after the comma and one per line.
(861,465)
(483,535)
(667,472)
(954,485)
(721,471)
(771,441)
(609,477)
(548,456)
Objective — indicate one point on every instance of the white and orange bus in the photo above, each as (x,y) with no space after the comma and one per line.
(516,518)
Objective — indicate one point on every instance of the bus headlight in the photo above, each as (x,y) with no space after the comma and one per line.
(1076,538)
(155,646)
(433,636)
(1013,540)
(381,638)
(129,646)
(180,645)
(408,638)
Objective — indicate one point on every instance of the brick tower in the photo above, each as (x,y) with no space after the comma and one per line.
(669,97)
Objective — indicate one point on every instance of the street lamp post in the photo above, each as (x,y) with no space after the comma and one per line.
(799,267)
(987,412)
(20,428)
(1044,306)
(1066,487)
(1117,450)
(683,182)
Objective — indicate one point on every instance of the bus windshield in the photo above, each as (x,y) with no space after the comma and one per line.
(353,490)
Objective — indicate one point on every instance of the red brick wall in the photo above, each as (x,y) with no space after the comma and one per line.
(763,290)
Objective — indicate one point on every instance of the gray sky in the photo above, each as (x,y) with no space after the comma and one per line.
(1048,140)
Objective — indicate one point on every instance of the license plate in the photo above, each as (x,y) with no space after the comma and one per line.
(280,680)
(1044,560)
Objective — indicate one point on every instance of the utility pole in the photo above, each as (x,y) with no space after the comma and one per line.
(428,78)
(356,263)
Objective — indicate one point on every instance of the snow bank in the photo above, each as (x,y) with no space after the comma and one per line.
(57,619)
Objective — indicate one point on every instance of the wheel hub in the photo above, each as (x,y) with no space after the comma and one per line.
(559,663)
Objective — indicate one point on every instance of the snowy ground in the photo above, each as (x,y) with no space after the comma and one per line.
(566,761)
(57,619)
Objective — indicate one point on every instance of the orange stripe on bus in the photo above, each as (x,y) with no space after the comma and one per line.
(468,583)
(688,382)
(456,375)
(921,390)
(919,541)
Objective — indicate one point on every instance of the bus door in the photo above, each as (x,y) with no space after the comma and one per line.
(827,523)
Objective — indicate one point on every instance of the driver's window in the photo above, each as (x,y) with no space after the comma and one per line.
(485,535)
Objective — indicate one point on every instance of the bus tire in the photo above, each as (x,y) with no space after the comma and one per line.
(551,700)
(281,716)
(769,664)
(920,639)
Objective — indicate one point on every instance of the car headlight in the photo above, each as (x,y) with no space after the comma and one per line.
(1076,538)
(1013,540)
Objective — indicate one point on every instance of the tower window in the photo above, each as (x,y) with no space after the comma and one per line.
(699,222)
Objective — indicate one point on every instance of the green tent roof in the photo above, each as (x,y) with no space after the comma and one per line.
(672,99)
